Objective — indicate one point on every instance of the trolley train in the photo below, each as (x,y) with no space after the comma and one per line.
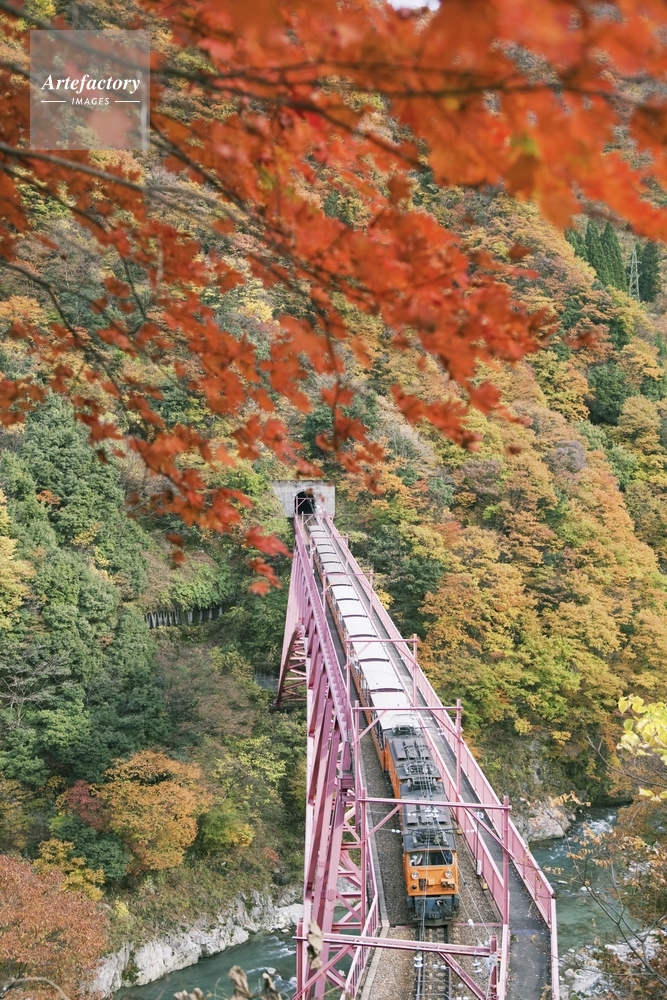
(429,849)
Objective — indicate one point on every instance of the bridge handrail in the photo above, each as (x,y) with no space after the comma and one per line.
(526,866)
(555,977)
(332,666)
(358,965)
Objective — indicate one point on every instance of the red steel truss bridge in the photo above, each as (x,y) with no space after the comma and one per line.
(513,956)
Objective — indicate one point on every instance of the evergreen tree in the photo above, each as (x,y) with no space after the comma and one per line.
(633,272)
(610,391)
(649,272)
(577,242)
(614,258)
(595,253)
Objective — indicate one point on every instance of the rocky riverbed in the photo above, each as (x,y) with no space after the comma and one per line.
(582,973)
(543,819)
(586,935)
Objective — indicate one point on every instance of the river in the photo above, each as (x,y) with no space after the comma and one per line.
(580,922)
(259,952)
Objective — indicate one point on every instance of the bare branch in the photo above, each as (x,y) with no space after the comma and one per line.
(13,984)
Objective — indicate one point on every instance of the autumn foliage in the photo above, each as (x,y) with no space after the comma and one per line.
(45,931)
(347,223)
(153,803)
(262,117)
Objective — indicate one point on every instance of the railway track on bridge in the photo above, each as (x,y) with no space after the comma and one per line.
(345,883)
(433,978)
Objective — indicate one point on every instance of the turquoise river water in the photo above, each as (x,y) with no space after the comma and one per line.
(259,952)
(580,923)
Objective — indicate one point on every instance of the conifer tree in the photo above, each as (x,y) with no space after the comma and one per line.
(595,253)
(577,242)
(649,272)
(613,257)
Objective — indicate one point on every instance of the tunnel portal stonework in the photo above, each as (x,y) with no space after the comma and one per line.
(324,493)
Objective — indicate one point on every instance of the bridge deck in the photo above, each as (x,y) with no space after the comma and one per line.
(530,942)
(396,971)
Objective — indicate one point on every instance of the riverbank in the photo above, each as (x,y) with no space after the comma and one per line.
(137,964)
(585,931)
(250,917)
(581,921)
(274,953)
(543,819)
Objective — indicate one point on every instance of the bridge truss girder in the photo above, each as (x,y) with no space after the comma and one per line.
(332,879)
(340,889)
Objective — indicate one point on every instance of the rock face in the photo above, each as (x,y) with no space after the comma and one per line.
(582,975)
(543,819)
(134,965)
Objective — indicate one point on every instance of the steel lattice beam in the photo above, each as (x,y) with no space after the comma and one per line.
(340,893)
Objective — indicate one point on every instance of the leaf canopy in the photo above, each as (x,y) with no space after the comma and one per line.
(287,143)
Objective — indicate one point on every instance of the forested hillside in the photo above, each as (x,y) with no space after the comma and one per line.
(530,568)
(425,300)
(138,764)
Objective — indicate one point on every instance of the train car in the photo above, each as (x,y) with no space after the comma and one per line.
(347,609)
(379,690)
(337,592)
(358,626)
(430,866)
(429,848)
(384,705)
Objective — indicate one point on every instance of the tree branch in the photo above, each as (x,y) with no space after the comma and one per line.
(13,984)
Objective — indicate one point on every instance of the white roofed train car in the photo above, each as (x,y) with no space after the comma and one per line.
(358,624)
(326,548)
(375,676)
(342,592)
(327,562)
(327,552)
(371,669)
(346,608)
(390,708)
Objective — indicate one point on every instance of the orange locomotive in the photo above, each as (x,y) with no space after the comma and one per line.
(429,848)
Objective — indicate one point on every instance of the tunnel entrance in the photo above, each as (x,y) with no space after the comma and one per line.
(292,493)
(304,502)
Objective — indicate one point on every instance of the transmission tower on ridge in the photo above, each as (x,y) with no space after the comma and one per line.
(633,278)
